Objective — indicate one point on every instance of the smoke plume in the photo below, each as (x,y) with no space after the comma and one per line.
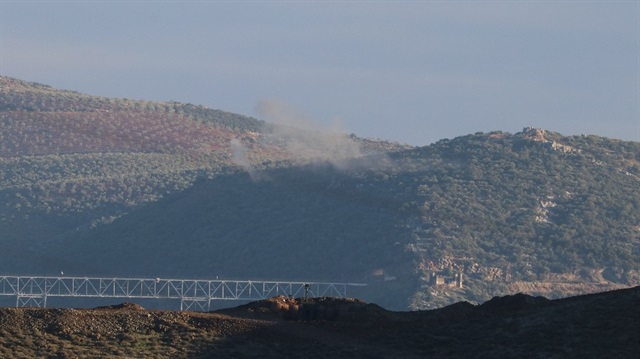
(239,156)
(305,139)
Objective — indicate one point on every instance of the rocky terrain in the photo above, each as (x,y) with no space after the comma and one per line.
(590,326)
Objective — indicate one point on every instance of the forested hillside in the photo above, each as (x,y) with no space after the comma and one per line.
(532,211)
(70,160)
(96,186)
(67,159)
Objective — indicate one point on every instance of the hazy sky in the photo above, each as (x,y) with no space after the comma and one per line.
(413,71)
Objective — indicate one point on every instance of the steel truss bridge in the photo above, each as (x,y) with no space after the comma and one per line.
(194,294)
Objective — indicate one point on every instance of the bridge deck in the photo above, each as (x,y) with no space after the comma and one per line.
(193,293)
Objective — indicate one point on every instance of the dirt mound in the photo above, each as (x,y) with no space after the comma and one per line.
(454,312)
(123,306)
(329,308)
(265,309)
(597,325)
(512,302)
(305,309)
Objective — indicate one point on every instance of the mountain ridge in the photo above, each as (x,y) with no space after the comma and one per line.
(462,219)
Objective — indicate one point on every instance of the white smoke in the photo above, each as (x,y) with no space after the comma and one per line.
(240,157)
(239,154)
(305,139)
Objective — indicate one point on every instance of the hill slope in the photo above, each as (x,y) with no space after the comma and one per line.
(139,188)
(70,160)
(596,326)
(76,158)
(506,212)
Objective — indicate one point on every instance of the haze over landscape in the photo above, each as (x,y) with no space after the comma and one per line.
(101,186)
(111,188)
(472,169)
(408,71)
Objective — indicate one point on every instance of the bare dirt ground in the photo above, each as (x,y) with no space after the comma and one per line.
(591,326)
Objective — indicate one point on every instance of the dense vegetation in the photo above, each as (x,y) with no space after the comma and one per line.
(524,207)
(120,187)
(71,158)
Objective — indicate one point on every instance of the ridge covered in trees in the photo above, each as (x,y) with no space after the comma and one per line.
(121,187)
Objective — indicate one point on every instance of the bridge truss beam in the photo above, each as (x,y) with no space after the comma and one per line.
(192,293)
